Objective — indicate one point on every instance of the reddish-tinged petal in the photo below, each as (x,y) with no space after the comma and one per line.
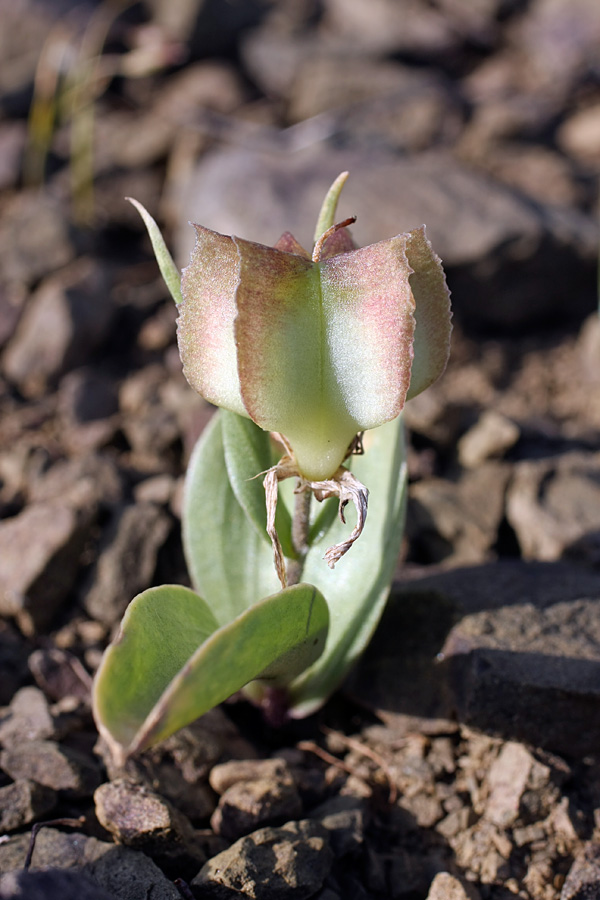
(432,312)
(368,309)
(287,243)
(205,328)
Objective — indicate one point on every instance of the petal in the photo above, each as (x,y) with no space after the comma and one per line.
(324,350)
(288,244)
(432,312)
(205,328)
(368,308)
(281,355)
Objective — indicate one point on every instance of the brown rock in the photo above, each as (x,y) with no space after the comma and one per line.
(247,805)
(23,802)
(53,766)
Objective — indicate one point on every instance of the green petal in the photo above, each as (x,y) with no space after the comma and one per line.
(205,327)
(432,312)
(324,350)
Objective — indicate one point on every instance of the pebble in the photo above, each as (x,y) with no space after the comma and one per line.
(52,765)
(288,863)
(246,805)
(28,718)
(23,802)
(583,880)
(491,436)
(446,887)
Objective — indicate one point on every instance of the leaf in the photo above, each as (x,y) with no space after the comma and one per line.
(170,663)
(328,209)
(357,589)
(229,562)
(248,454)
(166,264)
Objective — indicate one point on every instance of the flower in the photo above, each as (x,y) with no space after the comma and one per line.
(315,348)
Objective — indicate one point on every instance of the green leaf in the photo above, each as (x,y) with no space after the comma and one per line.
(166,264)
(248,454)
(229,562)
(170,664)
(357,589)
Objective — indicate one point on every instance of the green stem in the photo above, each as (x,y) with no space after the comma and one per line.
(300,532)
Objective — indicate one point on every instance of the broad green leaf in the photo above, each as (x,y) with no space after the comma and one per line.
(248,455)
(357,589)
(229,562)
(168,664)
(166,264)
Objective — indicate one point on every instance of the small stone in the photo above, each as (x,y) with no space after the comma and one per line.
(507,780)
(446,887)
(23,802)
(52,765)
(61,674)
(40,556)
(554,504)
(583,880)
(128,561)
(142,819)
(490,437)
(270,864)
(247,805)
(224,775)
(345,819)
(29,718)
(33,237)
(66,319)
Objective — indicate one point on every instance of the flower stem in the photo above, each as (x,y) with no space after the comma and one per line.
(300,530)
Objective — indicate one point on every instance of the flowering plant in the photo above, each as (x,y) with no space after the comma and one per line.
(315,354)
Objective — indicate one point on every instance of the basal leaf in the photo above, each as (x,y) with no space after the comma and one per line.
(169,665)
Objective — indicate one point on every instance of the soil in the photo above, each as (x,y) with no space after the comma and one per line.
(460,760)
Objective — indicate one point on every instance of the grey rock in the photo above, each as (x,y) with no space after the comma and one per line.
(224,775)
(507,779)
(28,718)
(270,864)
(142,819)
(128,560)
(491,436)
(52,765)
(66,319)
(40,556)
(583,880)
(247,805)
(52,884)
(23,802)
(121,873)
(554,505)
(525,259)
(60,674)
(33,237)
(458,519)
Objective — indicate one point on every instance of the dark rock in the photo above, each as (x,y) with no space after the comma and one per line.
(28,719)
(23,802)
(270,864)
(13,137)
(128,560)
(247,805)
(510,648)
(345,819)
(65,321)
(524,258)
(87,395)
(40,556)
(52,765)
(583,880)
(53,884)
(118,872)
(530,673)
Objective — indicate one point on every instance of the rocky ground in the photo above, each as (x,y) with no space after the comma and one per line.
(461,759)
